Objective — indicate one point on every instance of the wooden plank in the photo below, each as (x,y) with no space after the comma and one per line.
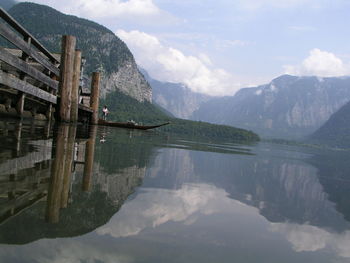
(94,99)
(12,22)
(24,46)
(85,108)
(21,200)
(19,64)
(15,83)
(75,87)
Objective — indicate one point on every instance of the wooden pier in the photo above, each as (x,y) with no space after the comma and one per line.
(45,174)
(35,83)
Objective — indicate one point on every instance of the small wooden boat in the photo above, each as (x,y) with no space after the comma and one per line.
(129,125)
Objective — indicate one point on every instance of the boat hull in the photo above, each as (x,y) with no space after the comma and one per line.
(129,125)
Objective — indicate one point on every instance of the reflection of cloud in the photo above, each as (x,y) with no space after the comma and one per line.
(70,251)
(155,207)
(311,238)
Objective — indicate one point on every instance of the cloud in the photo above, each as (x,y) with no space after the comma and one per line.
(312,238)
(155,207)
(319,63)
(168,64)
(94,9)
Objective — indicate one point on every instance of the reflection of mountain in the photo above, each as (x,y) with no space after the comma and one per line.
(76,203)
(334,175)
(283,188)
(172,167)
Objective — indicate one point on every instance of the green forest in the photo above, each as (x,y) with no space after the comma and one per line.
(124,108)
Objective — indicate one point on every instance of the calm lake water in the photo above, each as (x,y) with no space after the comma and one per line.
(114,195)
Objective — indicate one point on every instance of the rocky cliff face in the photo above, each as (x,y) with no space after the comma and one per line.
(129,81)
(176,97)
(103,50)
(287,107)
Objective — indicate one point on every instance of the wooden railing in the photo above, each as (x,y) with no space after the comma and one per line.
(33,72)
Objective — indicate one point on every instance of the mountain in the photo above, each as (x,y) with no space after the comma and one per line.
(336,131)
(124,89)
(176,98)
(7,4)
(288,106)
(103,50)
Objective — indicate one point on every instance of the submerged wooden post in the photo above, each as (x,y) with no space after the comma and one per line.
(67,175)
(56,180)
(75,88)
(94,99)
(89,160)
(66,79)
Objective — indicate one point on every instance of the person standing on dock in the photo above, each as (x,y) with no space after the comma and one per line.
(104,112)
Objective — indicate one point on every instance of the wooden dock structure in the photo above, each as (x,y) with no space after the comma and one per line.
(35,83)
(46,173)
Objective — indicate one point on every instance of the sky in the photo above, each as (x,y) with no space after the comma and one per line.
(217,47)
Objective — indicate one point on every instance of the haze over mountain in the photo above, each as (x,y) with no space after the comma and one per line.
(288,106)
(176,98)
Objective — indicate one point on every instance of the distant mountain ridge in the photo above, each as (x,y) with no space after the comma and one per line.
(103,50)
(176,98)
(288,106)
(336,131)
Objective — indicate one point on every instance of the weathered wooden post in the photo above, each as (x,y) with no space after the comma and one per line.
(56,180)
(67,175)
(75,89)
(94,99)
(66,79)
(89,159)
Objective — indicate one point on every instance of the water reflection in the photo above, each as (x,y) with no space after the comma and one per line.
(55,178)
(129,196)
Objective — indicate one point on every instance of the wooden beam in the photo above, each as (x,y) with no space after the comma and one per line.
(14,24)
(85,108)
(75,88)
(89,160)
(67,174)
(21,65)
(66,83)
(24,46)
(15,83)
(94,100)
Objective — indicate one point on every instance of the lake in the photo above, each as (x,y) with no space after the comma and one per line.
(79,194)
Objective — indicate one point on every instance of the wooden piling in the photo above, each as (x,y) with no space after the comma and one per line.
(67,175)
(66,78)
(94,99)
(75,88)
(56,180)
(89,160)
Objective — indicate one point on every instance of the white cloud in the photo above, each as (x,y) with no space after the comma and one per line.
(104,8)
(312,238)
(319,63)
(155,207)
(169,64)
